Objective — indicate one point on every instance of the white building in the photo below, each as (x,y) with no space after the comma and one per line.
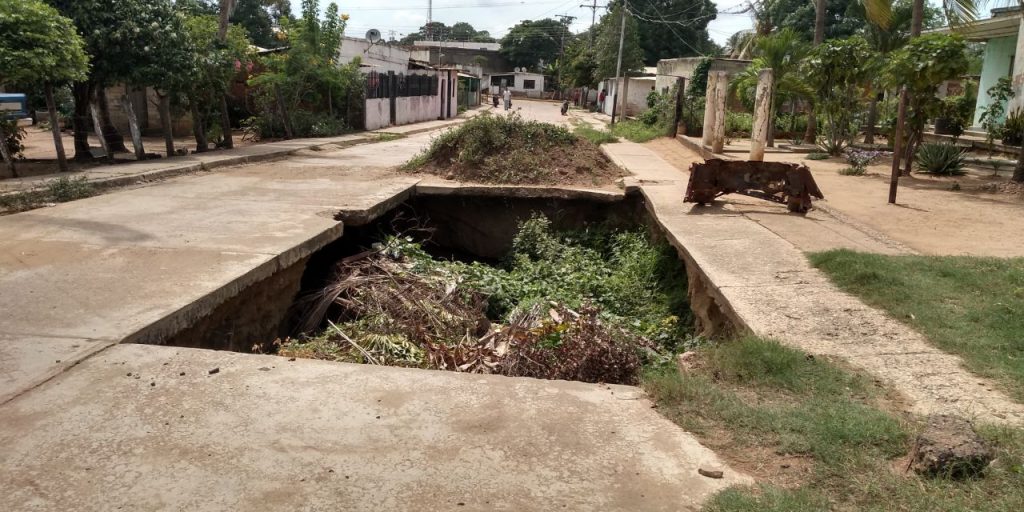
(522,83)
(400,90)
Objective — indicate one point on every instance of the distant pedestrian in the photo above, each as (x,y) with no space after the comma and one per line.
(508,99)
(600,99)
(495,97)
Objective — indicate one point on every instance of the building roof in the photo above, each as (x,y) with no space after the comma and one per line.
(1001,24)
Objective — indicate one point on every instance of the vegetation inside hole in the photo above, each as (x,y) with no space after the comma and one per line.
(594,304)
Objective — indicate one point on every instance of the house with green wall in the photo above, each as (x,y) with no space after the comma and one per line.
(1003,55)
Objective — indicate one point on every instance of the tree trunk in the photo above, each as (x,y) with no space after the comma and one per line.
(820,8)
(199,129)
(225,121)
(82,91)
(107,154)
(58,144)
(284,113)
(133,125)
(8,157)
(165,122)
(869,130)
(115,141)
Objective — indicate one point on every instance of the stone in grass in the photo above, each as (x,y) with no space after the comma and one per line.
(949,447)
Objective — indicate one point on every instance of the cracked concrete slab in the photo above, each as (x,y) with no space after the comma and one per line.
(266,433)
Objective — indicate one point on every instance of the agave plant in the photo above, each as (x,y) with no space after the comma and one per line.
(943,159)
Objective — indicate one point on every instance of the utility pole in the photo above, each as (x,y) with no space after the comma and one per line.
(618,64)
(593,18)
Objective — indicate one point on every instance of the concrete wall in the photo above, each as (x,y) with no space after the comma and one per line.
(669,69)
(415,109)
(639,88)
(517,83)
(377,57)
(146,105)
(378,113)
(997,63)
(489,61)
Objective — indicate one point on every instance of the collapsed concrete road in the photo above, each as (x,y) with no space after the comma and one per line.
(89,422)
(151,428)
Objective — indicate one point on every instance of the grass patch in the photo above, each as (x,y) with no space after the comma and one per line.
(594,135)
(60,190)
(818,156)
(816,436)
(510,150)
(853,171)
(387,137)
(637,131)
(969,306)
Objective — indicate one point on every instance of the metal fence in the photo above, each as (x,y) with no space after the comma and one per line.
(399,85)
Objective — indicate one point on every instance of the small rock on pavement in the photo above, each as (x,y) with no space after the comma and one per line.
(711,472)
(215,370)
(950,447)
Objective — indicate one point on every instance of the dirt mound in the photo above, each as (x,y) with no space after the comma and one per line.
(505,149)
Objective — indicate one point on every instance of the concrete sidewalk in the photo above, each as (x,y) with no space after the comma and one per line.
(764,283)
(116,175)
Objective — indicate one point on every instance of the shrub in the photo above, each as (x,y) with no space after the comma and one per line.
(859,159)
(1013,128)
(940,158)
(818,156)
(739,124)
(14,137)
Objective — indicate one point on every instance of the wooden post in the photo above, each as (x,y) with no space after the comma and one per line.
(58,144)
(897,146)
(625,95)
(709,108)
(98,128)
(762,114)
(721,90)
(165,122)
(133,125)
(678,115)
(8,157)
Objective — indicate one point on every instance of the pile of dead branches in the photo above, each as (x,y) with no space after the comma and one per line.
(382,309)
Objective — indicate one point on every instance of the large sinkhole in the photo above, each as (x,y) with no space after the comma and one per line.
(551,288)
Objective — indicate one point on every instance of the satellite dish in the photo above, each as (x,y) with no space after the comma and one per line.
(373,36)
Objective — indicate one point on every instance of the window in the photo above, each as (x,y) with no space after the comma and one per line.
(529,84)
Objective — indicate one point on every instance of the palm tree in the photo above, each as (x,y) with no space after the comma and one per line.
(783,52)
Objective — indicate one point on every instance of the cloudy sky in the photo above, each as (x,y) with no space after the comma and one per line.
(496,16)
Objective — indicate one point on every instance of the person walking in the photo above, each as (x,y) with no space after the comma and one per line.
(508,99)
(600,100)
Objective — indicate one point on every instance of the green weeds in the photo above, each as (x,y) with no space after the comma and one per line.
(767,406)
(969,306)
(594,135)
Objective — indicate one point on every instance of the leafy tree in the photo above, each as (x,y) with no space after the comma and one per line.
(607,44)
(214,66)
(579,64)
(136,42)
(532,43)
(674,28)
(839,87)
(256,19)
(39,47)
(304,89)
(921,66)
(783,52)
(437,31)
